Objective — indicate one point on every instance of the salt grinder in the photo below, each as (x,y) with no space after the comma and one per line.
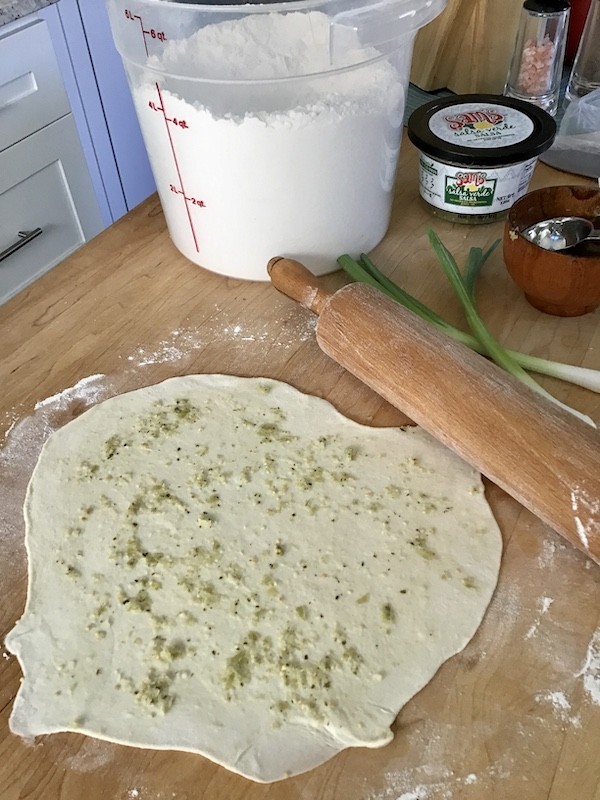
(536,67)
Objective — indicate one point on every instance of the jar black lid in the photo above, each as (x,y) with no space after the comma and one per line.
(538,140)
(547,6)
(228,2)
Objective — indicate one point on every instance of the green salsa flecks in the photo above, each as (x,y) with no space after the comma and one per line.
(209,575)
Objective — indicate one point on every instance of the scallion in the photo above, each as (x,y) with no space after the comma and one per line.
(480,340)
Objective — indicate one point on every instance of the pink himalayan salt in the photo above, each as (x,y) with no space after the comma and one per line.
(535,73)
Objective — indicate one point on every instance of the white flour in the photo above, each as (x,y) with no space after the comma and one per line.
(287,166)
(544,606)
(591,669)
(19,450)
(182,344)
(561,706)
(88,389)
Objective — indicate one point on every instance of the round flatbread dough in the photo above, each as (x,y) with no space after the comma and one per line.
(230,567)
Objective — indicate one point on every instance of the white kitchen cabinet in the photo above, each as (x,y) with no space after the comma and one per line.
(43,187)
(44,179)
(32,93)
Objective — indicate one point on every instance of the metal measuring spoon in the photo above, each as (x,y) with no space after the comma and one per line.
(561,233)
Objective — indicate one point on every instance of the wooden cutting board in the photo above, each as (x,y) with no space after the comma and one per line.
(516,715)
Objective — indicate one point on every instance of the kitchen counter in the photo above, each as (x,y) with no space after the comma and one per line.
(515,715)
(10,10)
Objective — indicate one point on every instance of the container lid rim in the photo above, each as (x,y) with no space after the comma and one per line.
(538,141)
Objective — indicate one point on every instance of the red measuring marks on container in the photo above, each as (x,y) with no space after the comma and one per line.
(173,120)
(193,200)
(146,32)
(177,189)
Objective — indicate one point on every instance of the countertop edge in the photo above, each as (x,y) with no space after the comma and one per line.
(11,10)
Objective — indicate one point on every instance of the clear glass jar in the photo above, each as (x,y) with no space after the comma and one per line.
(536,67)
(585,75)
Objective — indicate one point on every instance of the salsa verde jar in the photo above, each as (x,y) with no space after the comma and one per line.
(477,153)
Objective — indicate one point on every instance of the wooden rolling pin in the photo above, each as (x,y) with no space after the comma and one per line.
(544,457)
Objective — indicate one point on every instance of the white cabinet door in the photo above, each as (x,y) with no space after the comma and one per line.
(44,183)
(31,90)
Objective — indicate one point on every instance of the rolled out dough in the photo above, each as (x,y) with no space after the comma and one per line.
(230,567)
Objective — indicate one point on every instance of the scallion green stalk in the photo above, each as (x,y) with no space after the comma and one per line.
(365,271)
(491,345)
(480,340)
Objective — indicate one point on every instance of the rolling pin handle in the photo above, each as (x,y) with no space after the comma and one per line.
(293,279)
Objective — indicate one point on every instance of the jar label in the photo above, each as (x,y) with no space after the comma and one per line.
(473,191)
(481,125)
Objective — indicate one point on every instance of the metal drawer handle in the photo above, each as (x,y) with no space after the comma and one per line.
(24,238)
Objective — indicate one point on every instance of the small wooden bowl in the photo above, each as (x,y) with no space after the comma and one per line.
(566,283)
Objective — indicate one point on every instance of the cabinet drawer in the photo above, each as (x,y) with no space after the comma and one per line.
(44,183)
(32,93)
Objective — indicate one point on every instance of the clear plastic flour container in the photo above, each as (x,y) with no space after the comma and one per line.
(272,128)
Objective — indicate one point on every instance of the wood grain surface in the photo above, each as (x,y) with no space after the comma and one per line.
(515,716)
